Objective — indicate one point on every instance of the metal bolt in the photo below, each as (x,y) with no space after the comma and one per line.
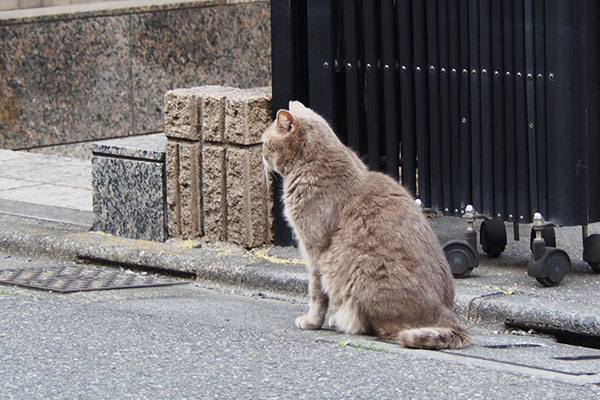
(519,75)
(431,68)
(456,211)
(508,74)
(465,71)
(540,76)
(419,203)
(453,71)
(418,69)
(510,216)
(531,125)
(349,66)
(474,72)
(403,68)
(325,64)
(551,77)
(368,66)
(446,210)
(496,74)
(521,218)
(443,70)
(386,67)
(464,120)
(529,76)
(499,215)
(484,72)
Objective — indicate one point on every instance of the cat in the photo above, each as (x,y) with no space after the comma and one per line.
(371,253)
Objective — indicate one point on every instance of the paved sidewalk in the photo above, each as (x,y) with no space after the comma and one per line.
(46,212)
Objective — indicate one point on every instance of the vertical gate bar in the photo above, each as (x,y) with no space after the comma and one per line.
(373,125)
(487,135)
(465,110)
(561,122)
(475,87)
(540,101)
(320,58)
(392,134)
(521,116)
(445,129)
(407,109)
(591,144)
(422,128)
(498,109)
(288,26)
(353,109)
(437,181)
(509,111)
(528,76)
(454,71)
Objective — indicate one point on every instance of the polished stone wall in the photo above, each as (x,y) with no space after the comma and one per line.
(86,75)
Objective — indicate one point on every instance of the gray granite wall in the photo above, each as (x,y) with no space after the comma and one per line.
(87,75)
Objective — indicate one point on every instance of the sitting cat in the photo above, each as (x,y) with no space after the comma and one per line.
(371,253)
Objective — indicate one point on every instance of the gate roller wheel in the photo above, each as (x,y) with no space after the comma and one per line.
(591,252)
(493,237)
(548,234)
(556,265)
(461,258)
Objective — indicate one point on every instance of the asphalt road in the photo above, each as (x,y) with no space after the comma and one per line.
(188,342)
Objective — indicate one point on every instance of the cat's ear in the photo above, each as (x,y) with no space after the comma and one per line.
(286,121)
(296,106)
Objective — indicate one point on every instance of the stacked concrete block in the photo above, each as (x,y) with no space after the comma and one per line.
(215,184)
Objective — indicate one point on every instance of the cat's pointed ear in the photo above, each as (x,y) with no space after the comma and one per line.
(296,106)
(286,121)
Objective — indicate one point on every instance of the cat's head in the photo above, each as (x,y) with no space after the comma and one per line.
(295,136)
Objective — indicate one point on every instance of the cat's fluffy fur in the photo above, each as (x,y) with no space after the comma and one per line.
(371,253)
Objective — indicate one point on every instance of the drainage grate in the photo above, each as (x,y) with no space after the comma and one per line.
(77,278)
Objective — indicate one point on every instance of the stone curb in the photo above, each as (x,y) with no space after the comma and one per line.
(231,266)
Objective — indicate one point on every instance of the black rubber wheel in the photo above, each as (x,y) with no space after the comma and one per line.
(557,263)
(461,258)
(492,237)
(591,252)
(548,235)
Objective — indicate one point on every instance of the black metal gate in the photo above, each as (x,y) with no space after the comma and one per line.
(494,103)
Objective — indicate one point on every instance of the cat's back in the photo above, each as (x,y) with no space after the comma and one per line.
(385,218)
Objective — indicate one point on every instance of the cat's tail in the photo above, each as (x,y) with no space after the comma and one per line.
(435,338)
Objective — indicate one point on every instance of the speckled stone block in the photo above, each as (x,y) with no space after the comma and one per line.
(129,188)
(214,191)
(128,198)
(173,196)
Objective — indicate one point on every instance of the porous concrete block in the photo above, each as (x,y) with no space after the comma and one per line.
(213,187)
(247,114)
(246,198)
(173,201)
(190,195)
(181,114)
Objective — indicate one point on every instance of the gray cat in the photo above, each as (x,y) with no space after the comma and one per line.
(371,253)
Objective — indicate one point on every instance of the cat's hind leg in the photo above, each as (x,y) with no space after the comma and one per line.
(348,319)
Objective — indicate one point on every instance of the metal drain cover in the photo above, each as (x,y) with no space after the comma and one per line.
(78,278)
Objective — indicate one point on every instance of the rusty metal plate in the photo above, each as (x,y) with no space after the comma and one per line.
(79,278)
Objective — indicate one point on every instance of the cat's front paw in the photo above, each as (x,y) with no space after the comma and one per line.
(305,322)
